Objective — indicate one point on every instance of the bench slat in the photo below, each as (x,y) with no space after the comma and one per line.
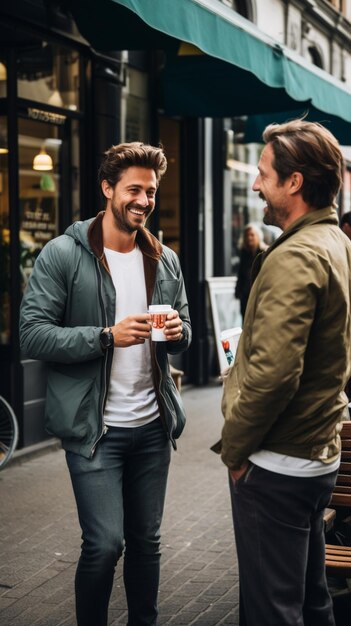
(341,499)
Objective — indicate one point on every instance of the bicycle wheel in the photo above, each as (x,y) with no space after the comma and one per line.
(8,432)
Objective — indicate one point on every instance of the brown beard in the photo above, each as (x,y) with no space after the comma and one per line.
(122,223)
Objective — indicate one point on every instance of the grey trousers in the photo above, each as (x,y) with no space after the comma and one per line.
(278,525)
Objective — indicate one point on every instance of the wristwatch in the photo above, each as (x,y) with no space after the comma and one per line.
(106,338)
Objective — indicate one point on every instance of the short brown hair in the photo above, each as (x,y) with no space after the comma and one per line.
(135,154)
(309,148)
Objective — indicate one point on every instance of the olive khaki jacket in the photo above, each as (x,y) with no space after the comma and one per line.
(285,390)
(69,299)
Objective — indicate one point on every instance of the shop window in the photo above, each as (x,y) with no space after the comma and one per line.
(39,189)
(49,182)
(4,240)
(75,171)
(49,74)
(169,192)
(241,164)
(135,122)
(3,78)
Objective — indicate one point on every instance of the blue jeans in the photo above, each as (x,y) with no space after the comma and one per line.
(120,495)
(279,532)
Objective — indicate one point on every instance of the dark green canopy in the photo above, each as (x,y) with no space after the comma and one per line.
(239,69)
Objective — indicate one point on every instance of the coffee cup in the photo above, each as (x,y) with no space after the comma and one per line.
(159,314)
(230,339)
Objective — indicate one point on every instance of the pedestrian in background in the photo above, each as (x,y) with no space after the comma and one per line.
(252,245)
(283,399)
(345,224)
(110,396)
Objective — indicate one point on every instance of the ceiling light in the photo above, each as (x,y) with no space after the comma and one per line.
(42,162)
(3,72)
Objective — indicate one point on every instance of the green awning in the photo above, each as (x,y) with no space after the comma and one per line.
(255,124)
(240,70)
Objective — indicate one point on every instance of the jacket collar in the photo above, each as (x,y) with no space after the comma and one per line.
(327,215)
(148,244)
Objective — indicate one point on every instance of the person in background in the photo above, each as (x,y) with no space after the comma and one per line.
(345,224)
(110,395)
(253,245)
(283,399)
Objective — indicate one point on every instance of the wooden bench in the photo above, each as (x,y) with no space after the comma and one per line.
(338,558)
(329,518)
(177,377)
(342,491)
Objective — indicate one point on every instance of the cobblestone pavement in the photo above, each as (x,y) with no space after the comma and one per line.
(40,536)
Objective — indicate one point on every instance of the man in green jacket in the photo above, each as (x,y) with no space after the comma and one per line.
(110,395)
(283,399)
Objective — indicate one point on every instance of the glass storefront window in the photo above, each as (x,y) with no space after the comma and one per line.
(75,170)
(3,78)
(49,74)
(4,243)
(245,205)
(135,107)
(169,192)
(40,149)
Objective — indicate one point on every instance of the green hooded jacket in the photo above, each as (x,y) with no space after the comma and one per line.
(69,299)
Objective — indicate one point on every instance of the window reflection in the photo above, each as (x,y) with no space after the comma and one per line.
(49,74)
(39,190)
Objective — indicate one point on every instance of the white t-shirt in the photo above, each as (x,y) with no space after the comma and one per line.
(292,466)
(131,399)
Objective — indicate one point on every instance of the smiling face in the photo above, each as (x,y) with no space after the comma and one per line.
(132,199)
(272,190)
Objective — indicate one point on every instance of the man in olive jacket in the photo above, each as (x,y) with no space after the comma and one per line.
(283,399)
(110,395)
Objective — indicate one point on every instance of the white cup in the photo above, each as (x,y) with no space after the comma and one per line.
(230,339)
(158,314)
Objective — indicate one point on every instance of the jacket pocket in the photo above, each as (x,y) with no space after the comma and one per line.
(168,291)
(67,405)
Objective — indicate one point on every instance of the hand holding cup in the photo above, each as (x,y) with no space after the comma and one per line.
(166,324)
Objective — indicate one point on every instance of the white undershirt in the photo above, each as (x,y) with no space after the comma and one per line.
(291,465)
(131,399)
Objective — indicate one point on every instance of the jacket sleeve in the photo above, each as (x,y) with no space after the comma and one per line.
(285,309)
(42,333)
(181,305)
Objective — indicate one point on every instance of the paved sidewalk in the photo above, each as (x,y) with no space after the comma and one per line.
(40,536)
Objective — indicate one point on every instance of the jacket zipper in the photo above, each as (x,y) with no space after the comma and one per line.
(104,428)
